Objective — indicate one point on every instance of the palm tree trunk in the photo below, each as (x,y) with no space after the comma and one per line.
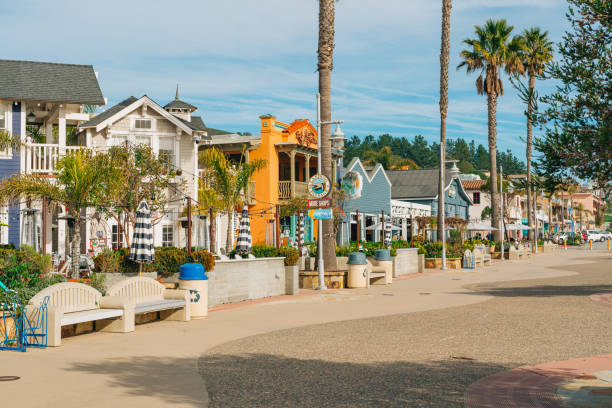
(213,234)
(228,241)
(530,216)
(325,66)
(444,61)
(75,252)
(492,118)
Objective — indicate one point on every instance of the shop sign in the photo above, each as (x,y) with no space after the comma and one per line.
(319,186)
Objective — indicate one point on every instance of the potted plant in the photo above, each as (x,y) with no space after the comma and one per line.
(292,269)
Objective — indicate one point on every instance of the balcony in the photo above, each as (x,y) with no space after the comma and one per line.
(42,158)
(291,189)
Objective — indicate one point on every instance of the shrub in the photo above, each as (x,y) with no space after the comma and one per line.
(345,250)
(108,261)
(291,255)
(168,260)
(38,263)
(264,251)
(97,281)
(205,258)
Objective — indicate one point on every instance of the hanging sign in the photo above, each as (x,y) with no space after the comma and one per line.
(352,184)
(319,186)
(314,203)
(321,214)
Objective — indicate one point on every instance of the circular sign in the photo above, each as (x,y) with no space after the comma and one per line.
(319,186)
(352,184)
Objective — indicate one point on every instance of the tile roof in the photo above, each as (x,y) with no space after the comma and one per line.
(415,184)
(49,82)
(96,120)
(473,184)
(178,104)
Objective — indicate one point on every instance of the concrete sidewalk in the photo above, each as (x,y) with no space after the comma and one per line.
(156,366)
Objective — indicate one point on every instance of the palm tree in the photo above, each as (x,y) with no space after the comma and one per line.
(78,185)
(535,54)
(209,200)
(444,62)
(491,52)
(327,9)
(230,181)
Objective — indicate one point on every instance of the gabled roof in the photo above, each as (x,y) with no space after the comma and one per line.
(129,105)
(371,173)
(473,184)
(196,123)
(49,82)
(420,184)
(99,118)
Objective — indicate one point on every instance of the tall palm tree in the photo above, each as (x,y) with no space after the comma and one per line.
(79,184)
(230,181)
(444,62)
(536,52)
(491,52)
(327,9)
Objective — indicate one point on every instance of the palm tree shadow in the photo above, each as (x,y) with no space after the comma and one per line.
(539,291)
(263,380)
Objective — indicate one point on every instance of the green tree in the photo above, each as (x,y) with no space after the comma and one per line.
(489,53)
(536,54)
(230,181)
(78,185)
(388,160)
(578,116)
(481,158)
(210,201)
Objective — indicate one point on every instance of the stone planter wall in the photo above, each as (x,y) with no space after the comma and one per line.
(333,280)
(421,262)
(341,263)
(406,262)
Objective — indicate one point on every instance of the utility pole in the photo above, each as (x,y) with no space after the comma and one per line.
(382,227)
(189,226)
(44,225)
(358,229)
(501,209)
(277,222)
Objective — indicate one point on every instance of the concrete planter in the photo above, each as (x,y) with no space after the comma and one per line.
(436,263)
(341,263)
(421,262)
(292,279)
(406,262)
(333,280)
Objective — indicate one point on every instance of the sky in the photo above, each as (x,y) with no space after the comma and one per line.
(236,60)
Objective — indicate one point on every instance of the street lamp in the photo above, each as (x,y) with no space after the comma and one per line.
(336,136)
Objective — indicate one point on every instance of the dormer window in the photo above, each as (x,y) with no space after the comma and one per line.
(142,124)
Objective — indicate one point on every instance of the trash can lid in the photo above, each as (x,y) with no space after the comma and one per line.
(383,255)
(192,271)
(357,258)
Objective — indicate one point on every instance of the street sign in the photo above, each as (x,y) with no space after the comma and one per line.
(314,203)
(321,214)
(319,186)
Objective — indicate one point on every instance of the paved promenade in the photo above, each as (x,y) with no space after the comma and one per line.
(418,342)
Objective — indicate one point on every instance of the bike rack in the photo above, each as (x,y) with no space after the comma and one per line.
(17,330)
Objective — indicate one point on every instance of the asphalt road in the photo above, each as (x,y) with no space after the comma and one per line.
(423,359)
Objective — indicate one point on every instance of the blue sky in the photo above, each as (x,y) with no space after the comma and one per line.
(239,59)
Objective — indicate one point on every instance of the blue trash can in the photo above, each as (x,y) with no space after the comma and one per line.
(192,277)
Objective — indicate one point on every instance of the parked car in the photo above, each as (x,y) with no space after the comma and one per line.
(560,237)
(607,234)
(592,235)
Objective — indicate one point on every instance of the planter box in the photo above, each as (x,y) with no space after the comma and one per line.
(497,255)
(436,263)
(333,280)
(421,262)
(406,262)
(341,263)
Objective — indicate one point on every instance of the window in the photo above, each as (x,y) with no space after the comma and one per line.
(167,235)
(142,124)
(476,198)
(115,236)
(166,151)
(2,120)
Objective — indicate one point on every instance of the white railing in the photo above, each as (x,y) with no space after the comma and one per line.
(284,190)
(42,158)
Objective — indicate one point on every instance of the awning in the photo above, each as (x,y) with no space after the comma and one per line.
(480,226)
(517,227)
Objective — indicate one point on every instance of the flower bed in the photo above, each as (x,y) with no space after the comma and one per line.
(436,263)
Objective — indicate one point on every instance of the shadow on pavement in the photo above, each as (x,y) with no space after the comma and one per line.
(539,291)
(163,378)
(263,380)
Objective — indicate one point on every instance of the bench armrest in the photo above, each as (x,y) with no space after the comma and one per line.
(180,294)
(117,302)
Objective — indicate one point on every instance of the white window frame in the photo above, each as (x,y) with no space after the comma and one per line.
(4,218)
(6,111)
(164,242)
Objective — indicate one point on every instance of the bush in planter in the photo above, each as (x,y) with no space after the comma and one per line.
(498,246)
(290,254)
(168,260)
(264,251)
(205,258)
(108,261)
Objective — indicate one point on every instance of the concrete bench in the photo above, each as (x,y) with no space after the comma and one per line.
(151,296)
(379,273)
(73,303)
(469,262)
(481,256)
(514,254)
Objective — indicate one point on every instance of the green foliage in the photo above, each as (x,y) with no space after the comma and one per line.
(97,281)
(205,258)
(264,251)
(25,293)
(108,261)
(291,255)
(168,260)
(434,250)
(577,116)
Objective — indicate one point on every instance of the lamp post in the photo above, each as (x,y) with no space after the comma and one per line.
(337,135)
(441,210)
(501,210)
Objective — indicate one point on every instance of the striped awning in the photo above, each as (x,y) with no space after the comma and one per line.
(142,250)
(388,231)
(243,243)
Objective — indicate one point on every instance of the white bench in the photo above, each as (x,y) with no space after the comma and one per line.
(151,296)
(481,256)
(379,273)
(514,254)
(73,303)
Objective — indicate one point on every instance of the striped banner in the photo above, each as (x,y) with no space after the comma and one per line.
(142,250)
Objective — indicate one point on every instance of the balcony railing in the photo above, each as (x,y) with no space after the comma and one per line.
(285,188)
(42,158)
